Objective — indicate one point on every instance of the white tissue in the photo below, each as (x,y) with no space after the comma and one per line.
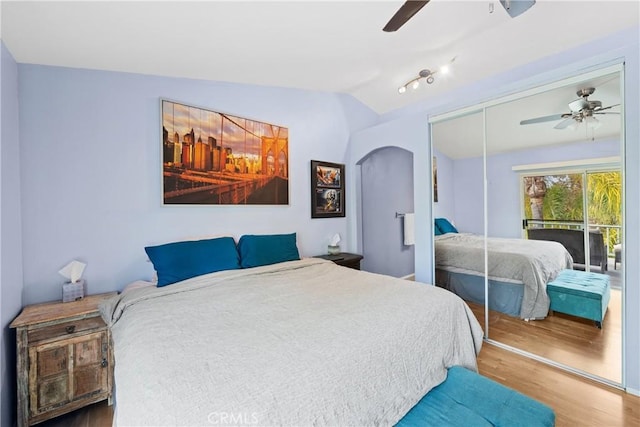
(73,271)
(335,240)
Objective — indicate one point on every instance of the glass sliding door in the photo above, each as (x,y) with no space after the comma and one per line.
(604,213)
(574,208)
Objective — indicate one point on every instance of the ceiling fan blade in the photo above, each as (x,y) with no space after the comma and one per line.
(564,124)
(543,119)
(597,110)
(406,11)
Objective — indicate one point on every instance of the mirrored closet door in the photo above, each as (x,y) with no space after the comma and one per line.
(550,216)
(459,205)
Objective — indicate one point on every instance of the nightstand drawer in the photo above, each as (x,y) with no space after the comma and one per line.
(65,328)
(344,259)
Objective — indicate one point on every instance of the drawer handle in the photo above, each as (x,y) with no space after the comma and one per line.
(70,329)
(104,363)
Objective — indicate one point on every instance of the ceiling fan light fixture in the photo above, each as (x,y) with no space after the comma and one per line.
(578,105)
(592,122)
(582,110)
(402,89)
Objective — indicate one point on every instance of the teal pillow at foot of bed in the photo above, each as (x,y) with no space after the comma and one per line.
(469,399)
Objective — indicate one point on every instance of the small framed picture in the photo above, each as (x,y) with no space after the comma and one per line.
(327,190)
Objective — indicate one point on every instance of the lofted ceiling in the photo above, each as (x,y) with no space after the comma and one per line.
(334,46)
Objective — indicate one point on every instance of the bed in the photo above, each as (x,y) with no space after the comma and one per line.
(518,271)
(301,342)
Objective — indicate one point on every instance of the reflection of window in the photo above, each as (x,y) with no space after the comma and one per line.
(558,201)
(553,197)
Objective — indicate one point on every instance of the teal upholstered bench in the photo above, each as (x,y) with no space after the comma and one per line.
(581,294)
(467,399)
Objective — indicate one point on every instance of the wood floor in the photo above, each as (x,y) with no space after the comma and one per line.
(575,400)
(565,339)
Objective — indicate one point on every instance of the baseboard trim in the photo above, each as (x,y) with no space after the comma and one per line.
(409,277)
(633,391)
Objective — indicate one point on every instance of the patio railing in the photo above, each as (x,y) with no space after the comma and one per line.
(611,233)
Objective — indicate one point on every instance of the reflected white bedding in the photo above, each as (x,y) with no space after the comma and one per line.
(531,262)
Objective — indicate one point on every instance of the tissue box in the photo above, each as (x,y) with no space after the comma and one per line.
(73,291)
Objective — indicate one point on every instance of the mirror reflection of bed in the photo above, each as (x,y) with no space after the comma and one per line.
(518,269)
(481,192)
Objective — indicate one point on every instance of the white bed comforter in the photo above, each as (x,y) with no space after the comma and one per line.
(531,262)
(298,343)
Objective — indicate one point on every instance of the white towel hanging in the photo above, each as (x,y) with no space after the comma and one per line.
(409,229)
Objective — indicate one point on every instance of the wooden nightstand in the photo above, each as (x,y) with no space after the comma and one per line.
(64,358)
(344,259)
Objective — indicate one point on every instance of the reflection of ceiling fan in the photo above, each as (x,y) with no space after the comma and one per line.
(582,110)
(411,7)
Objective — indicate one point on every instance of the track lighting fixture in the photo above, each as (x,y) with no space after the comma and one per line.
(425,75)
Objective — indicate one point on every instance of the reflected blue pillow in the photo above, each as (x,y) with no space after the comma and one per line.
(183,260)
(257,250)
(445,226)
(436,229)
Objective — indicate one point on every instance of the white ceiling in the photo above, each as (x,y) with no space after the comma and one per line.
(319,45)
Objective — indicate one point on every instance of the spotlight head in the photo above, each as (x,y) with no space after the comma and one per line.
(425,73)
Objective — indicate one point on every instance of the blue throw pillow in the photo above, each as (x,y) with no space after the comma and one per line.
(436,229)
(183,260)
(257,250)
(445,226)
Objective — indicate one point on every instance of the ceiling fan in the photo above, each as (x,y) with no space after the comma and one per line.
(582,110)
(411,7)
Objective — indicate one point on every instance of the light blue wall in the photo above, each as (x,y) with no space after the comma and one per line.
(445,206)
(410,134)
(387,189)
(468,195)
(91,170)
(10,230)
(407,128)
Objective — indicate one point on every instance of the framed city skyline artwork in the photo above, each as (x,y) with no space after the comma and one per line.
(327,190)
(213,158)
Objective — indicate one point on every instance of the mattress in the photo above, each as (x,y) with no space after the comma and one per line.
(297,343)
